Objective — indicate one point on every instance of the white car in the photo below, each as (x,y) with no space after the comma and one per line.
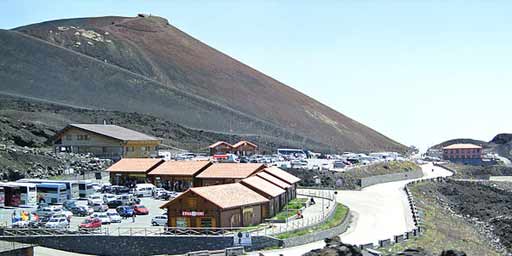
(105,219)
(61,222)
(159,220)
(114,216)
(94,199)
(62,214)
(109,197)
(100,207)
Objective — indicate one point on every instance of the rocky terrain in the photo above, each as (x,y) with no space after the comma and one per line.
(27,126)
(487,206)
(145,65)
(479,172)
(334,247)
(350,178)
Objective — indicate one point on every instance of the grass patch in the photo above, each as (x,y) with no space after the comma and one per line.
(442,231)
(340,213)
(293,206)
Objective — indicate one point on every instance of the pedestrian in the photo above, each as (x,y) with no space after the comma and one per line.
(133,217)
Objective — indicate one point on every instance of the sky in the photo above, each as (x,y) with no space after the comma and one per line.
(418,72)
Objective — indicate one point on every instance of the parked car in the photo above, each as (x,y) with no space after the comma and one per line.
(100,207)
(60,223)
(102,216)
(94,199)
(140,210)
(118,190)
(81,210)
(90,223)
(128,199)
(68,204)
(144,190)
(159,220)
(114,203)
(62,215)
(125,211)
(48,211)
(114,216)
(109,197)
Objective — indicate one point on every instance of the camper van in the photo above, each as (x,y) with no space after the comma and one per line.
(144,190)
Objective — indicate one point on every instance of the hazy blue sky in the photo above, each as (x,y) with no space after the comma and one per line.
(418,72)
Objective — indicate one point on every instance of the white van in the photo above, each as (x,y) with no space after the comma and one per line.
(143,190)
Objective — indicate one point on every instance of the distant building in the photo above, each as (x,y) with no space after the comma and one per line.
(241,148)
(463,153)
(245,148)
(220,148)
(224,173)
(178,175)
(106,141)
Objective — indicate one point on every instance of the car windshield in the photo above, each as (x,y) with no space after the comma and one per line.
(141,206)
(87,221)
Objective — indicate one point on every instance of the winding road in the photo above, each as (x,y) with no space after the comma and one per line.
(380,212)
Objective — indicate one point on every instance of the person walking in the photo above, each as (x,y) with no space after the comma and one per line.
(133,217)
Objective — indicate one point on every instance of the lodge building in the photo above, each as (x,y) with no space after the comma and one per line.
(132,170)
(105,141)
(225,173)
(241,148)
(463,153)
(178,175)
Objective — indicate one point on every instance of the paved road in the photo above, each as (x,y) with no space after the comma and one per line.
(381,211)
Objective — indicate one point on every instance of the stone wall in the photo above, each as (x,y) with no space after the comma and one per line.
(320,235)
(365,182)
(140,245)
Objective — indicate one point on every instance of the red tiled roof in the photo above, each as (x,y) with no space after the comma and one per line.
(135,165)
(220,143)
(283,175)
(243,142)
(226,196)
(180,168)
(230,170)
(272,179)
(263,185)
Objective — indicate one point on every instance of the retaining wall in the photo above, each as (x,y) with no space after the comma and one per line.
(142,245)
(369,181)
(320,235)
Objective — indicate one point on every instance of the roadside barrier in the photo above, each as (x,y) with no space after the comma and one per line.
(416,216)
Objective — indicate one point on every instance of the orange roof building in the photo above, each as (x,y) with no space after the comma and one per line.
(275,194)
(227,205)
(132,170)
(178,175)
(223,173)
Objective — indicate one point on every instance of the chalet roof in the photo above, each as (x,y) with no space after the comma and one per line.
(226,196)
(272,179)
(244,142)
(180,168)
(463,146)
(264,186)
(135,165)
(283,175)
(112,131)
(216,144)
(230,170)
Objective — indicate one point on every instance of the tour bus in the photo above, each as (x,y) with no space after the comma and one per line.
(85,188)
(51,193)
(71,186)
(18,194)
(289,152)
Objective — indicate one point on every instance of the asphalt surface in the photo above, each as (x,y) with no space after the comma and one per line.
(380,212)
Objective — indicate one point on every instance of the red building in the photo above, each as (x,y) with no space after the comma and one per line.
(464,153)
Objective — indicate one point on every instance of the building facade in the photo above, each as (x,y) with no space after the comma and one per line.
(105,141)
(463,153)
(178,175)
(130,171)
(228,205)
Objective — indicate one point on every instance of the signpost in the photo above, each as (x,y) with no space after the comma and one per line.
(242,239)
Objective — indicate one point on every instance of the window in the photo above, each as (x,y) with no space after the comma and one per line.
(191,203)
(181,222)
(69,137)
(143,148)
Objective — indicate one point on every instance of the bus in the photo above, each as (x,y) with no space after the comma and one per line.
(291,153)
(18,194)
(71,186)
(85,188)
(51,193)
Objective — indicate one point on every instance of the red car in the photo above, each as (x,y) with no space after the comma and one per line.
(90,223)
(140,210)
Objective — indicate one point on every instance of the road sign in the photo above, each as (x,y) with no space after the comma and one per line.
(242,238)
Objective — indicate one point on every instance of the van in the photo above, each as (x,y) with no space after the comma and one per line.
(144,190)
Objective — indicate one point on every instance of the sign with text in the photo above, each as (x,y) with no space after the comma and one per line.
(192,214)
(242,239)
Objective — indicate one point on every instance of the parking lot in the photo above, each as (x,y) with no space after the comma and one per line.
(141,221)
